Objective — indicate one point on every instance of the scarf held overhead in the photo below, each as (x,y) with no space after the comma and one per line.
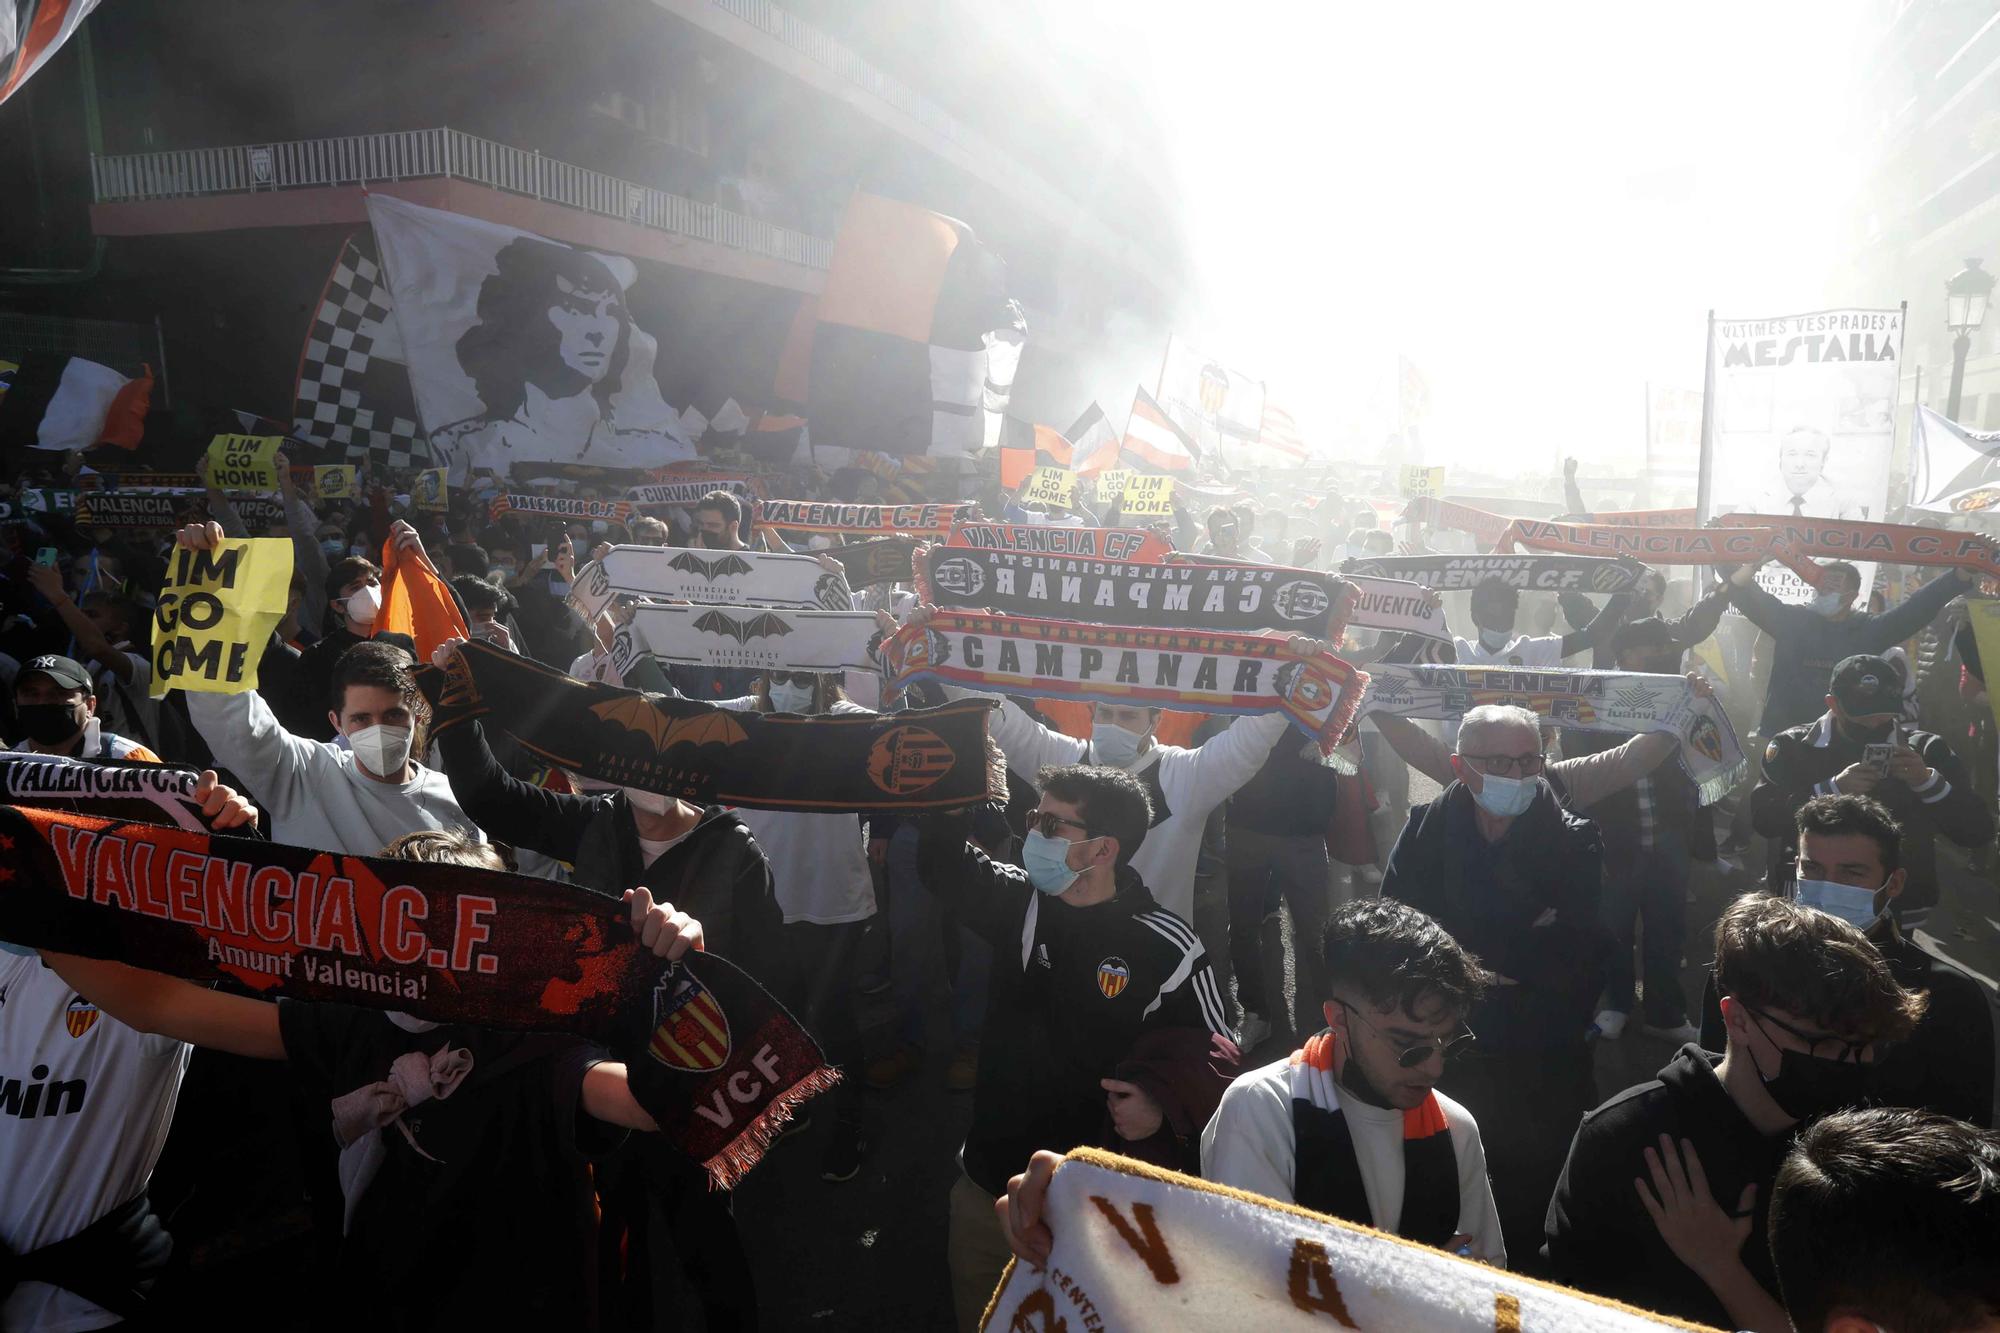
(1208,596)
(1530,573)
(1137,1247)
(1614,701)
(716,1061)
(1092,543)
(869,564)
(559,506)
(756,638)
(687,492)
(925,759)
(1890,543)
(1210,673)
(697,574)
(1662,546)
(827,516)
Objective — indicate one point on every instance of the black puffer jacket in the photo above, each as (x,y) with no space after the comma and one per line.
(1527,905)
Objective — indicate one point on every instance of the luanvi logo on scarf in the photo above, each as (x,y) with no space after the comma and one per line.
(756,638)
(1531,573)
(1210,596)
(445,943)
(1203,672)
(1615,701)
(1091,543)
(728,578)
(821,516)
(710,755)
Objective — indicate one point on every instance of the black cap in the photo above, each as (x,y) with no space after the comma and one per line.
(1865,685)
(64,671)
(1646,632)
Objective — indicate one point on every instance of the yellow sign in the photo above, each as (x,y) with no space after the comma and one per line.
(1148,497)
(1111,483)
(1419,480)
(1985,616)
(244,462)
(428,490)
(217,612)
(333,483)
(1050,486)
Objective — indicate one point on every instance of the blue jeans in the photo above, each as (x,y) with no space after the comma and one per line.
(1651,888)
(923,937)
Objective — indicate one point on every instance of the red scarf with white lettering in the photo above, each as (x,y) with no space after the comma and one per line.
(711,1057)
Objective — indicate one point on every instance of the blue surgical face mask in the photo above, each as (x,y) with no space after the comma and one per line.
(332,547)
(789,697)
(1855,906)
(1493,640)
(1114,745)
(1829,604)
(1046,860)
(1503,798)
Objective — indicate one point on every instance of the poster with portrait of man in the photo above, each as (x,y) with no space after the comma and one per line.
(522,349)
(1805,411)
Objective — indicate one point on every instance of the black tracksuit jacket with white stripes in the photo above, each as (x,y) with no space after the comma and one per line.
(1071,989)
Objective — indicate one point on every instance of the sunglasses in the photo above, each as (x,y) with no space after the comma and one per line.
(803,679)
(1048,824)
(1412,1056)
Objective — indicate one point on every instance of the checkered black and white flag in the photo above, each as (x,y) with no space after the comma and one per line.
(353,393)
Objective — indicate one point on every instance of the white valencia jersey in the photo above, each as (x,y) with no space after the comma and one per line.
(85,1104)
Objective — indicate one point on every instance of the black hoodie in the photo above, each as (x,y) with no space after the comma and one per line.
(1602,1240)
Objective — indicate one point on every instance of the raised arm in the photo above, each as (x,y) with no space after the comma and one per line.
(1909,616)
(1697,624)
(1418,748)
(1602,626)
(1761,609)
(170,1007)
(989,897)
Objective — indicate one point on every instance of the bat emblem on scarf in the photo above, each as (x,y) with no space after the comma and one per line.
(690,1031)
(757,627)
(637,713)
(689,563)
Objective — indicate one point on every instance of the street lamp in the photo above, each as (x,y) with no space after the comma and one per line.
(1965,298)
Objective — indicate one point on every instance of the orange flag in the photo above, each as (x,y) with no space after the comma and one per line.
(416,602)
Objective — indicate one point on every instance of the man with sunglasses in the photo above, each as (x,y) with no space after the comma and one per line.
(1664,1198)
(1085,963)
(1515,877)
(1861,747)
(1352,1124)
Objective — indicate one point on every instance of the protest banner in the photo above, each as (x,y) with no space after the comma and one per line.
(428,490)
(1053,487)
(1140,1247)
(244,462)
(334,483)
(1105,543)
(1148,496)
(1111,484)
(1206,595)
(725,578)
(1200,671)
(1417,480)
(756,638)
(216,614)
(1803,421)
(827,516)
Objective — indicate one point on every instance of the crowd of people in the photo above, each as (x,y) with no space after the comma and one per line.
(1193,940)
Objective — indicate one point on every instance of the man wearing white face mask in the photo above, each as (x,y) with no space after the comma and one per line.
(1851,865)
(356,586)
(351,800)
(1517,880)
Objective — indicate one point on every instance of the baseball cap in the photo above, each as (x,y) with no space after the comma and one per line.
(1865,684)
(64,671)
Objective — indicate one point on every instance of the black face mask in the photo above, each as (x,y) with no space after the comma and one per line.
(1807,1087)
(50,724)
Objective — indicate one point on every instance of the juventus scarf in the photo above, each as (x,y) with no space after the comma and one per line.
(1209,596)
(1532,573)
(1615,701)
(1662,546)
(1326,1176)
(1398,606)
(1199,672)
(869,564)
(817,516)
(1091,543)
(716,1061)
(1138,1247)
(559,506)
(925,759)
(756,638)
(733,578)
(1891,543)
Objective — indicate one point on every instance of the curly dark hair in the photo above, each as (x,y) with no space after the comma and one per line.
(1771,953)
(1394,954)
(1892,1214)
(373,662)
(514,344)
(1112,802)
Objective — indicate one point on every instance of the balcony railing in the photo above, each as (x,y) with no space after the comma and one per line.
(815,45)
(357,159)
